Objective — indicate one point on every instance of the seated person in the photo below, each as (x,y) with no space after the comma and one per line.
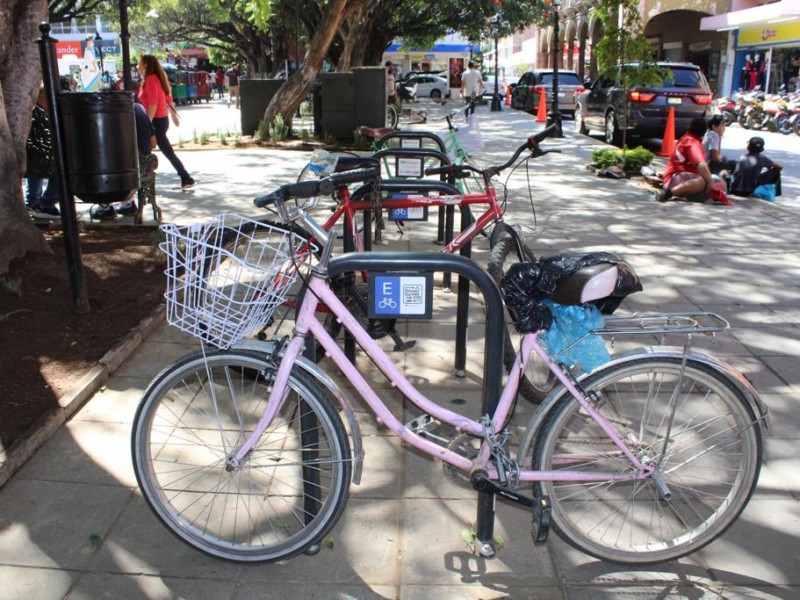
(755,169)
(687,173)
(712,145)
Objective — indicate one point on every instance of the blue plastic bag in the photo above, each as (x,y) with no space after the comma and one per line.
(765,191)
(571,323)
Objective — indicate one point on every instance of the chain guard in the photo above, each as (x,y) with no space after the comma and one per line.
(355,298)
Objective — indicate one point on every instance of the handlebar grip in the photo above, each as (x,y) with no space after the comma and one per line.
(439,170)
(304,189)
(355,176)
(543,134)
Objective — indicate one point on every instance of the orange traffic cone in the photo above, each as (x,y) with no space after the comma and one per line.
(508,95)
(541,114)
(668,143)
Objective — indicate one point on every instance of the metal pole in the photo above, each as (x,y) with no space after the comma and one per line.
(98,42)
(124,37)
(66,202)
(496,104)
(555,114)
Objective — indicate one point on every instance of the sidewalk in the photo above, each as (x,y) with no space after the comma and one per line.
(73,524)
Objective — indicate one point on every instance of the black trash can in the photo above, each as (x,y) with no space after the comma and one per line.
(100,144)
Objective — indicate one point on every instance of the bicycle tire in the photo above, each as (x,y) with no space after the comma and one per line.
(391,116)
(711,464)
(195,414)
(537,381)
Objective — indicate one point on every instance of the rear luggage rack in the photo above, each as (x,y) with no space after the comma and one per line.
(663,324)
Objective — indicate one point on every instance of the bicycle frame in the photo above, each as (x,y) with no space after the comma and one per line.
(307,323)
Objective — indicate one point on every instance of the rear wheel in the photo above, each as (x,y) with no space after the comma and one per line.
(287,493)
(783,124)
(796,125)
(613,136)
(580,125)
(436,94)
(392,117)
(537,381)
(691,423)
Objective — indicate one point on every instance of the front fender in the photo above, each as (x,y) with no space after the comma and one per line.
(323,379)
(736,377)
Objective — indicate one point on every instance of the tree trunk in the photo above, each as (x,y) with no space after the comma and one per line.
(19,82)
(294,91)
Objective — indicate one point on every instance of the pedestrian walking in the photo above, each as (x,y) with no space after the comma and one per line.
(156,96)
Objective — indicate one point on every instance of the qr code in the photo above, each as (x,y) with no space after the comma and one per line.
(412,294)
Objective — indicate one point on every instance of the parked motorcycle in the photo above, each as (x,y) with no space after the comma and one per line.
(406,93)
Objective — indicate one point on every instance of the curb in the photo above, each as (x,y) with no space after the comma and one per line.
(21,450)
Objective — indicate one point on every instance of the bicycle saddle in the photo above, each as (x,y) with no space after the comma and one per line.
(374,132)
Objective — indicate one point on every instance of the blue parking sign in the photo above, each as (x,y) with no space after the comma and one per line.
(400,295)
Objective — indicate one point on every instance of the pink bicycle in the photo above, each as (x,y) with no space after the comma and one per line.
(243,453)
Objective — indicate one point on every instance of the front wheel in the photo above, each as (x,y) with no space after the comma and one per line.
(537,381)
(796,125)
(289,490)
(692,423)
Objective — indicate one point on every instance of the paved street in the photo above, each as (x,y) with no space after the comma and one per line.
(74,525)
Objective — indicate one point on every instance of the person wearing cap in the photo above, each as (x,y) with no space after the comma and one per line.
(755,169)
(687,173)
(391,89)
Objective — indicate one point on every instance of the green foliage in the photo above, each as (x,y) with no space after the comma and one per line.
(623,43)
(262,133)
(330,139)
(223,139)
(278,130)
(203,138)
(306,108)
(630,160)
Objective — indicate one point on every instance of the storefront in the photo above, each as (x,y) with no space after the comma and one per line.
(768,56)
(764,48)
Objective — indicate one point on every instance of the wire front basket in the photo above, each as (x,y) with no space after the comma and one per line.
(226,277)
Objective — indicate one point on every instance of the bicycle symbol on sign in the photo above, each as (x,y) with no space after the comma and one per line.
(387,303)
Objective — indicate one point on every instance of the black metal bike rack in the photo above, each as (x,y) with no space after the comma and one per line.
(422,187)
(445,213)
(494,330)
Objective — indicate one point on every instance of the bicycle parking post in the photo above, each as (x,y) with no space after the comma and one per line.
(494,336)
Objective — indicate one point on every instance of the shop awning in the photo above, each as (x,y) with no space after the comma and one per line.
(784,11)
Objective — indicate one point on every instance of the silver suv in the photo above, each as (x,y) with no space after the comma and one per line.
(526,94)
(601,106)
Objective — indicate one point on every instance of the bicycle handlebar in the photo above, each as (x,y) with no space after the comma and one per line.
(532,143)
(318,187)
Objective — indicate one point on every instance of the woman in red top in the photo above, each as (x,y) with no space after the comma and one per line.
(155,95)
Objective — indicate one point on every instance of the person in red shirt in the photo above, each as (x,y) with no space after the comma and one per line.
(687,173)
(155,95)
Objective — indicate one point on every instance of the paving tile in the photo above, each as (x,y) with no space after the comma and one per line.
(772,560)
(115,402)
(85,452)
(51,524)
(24,583)
(134,587)
(363,548)
(150,359)
(435,550)
(313,591)
(482,587)
(139,544)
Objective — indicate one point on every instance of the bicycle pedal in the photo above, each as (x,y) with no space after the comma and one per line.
(540,520)
(399,344)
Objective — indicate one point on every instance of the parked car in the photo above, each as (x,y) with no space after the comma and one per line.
(525,94)
(429,86)
(601,107)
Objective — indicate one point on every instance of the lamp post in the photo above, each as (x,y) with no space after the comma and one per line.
(125,36)
(554,118)
(496,104)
